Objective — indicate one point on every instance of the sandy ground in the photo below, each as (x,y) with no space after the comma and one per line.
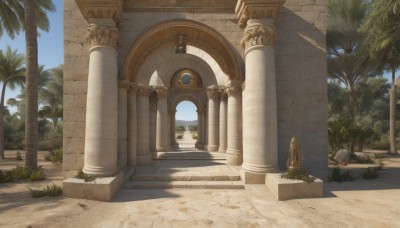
(362,203)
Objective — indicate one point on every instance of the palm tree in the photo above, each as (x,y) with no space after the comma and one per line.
(346,61)
(382,42)
(12,73)
(9,18)
(32,11)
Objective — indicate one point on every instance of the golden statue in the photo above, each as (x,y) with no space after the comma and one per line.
(295,160)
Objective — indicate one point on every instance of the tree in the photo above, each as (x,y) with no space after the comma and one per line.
(346,61)
(12,73)
(9,20)
(31,10)
(382,42)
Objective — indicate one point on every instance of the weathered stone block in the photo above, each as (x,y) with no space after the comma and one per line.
(285,189)
(102,189)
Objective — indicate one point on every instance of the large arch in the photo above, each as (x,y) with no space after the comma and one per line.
(196,34)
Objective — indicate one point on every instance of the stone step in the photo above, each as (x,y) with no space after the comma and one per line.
(184,184)
(190,156)
(152,177)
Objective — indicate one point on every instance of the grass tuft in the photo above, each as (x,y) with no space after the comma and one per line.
(55,156)
(298,175)
(81,175)
(51,191)
(339,177)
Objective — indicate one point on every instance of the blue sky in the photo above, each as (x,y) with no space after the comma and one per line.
(186,110)
(51,44)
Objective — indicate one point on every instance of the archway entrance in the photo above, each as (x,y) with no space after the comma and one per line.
(186,125)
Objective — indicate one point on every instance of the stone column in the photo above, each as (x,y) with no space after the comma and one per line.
(200,139)
(260,134)
(100,157)
(162,120)
(222,122)
(122,124)
(174,143)
(234,151)
(132,127)
(213,123)
(143,141)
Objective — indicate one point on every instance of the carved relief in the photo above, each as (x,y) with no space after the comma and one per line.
(259,35)
(247,10)
(102,36)
(161,92)
(96,9)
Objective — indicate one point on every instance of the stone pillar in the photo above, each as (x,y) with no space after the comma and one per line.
(143,140)
(213,123)
(234,151)
(132,127)
(174,143)
(260,134)
(100,157)
(200,138)
(162,120)
(122,124)
(153,123)
(222,122)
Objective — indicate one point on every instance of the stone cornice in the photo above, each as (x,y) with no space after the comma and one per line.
(95,9)
(257,9)
(227,6)
(259,36)
(161,92)
(102,36)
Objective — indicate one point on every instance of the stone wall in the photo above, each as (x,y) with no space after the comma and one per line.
(301,73)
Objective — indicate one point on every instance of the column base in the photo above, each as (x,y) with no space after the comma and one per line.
(256,175)
(234,157)
(222,150)
(99,171)
(144,159)
(212,148)
(163,149)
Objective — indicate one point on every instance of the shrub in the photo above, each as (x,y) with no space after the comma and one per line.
(298,175)
(51,191)
(6,176)
(364,159)
(19,156)
(55,156)
(38,175)
(339,177)
(194,136)
(371,173)
(379,156)
(179,136)
(21,172)
(81,175)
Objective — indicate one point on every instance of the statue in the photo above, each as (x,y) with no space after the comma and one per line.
(295,159)
(180,45)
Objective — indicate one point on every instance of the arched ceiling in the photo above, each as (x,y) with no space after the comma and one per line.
(195,34)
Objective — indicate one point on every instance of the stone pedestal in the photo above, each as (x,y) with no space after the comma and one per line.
(143,138)
(234,151)
(213,125)
(223,109)
(101,134)
(162,121)
(260,133)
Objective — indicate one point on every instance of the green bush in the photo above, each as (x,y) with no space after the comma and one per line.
(179,136)
(51,191)
(194,136)
(38,175)
(19,156)
(55,156)
(339,177)
(81,175)
(21,172)
(298,175)
(364,159)
(6,176)
(371,173)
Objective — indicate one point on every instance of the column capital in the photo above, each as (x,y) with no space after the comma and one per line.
(102,35)
(257,9)
(233,90)
(142,91)
(212,94)
(259,35)
(161,92)
(223,95)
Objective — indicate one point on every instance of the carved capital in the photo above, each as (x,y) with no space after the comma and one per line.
(102,36)
(212,94)
(259,36)
(222,94)
(161,92)
(142,91)
(233,90)
(257,9)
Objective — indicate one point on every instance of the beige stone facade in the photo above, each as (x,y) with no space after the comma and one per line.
(256,72)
